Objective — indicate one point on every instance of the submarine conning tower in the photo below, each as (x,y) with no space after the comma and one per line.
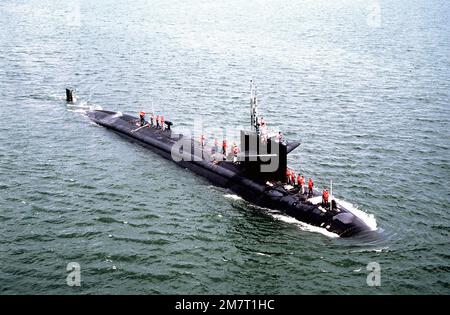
(263,154)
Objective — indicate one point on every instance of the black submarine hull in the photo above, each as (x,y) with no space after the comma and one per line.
(276,196)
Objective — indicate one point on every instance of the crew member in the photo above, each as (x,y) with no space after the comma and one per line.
(152,118)
(263,122)
(224,149)
(202,141)
(301,183)
(162,122)
(288,176)
(293,176)
(310,187)
(235,152)
(279,136)
(142,118)
(325,196)
(157,121)
(264,135)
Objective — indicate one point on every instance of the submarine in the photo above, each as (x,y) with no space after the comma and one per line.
(256,170)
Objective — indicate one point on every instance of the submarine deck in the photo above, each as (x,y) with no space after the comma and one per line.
(129,124)
(231,175)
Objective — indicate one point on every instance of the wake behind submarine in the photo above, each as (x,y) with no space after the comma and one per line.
(257,170)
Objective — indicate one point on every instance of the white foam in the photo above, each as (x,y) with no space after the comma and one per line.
(81,104)
(288,219)
(302,225)
(234,197)
(77,110)
(368,219)
(376,250)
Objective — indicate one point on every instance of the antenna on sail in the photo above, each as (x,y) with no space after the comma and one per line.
(253,108)
(331,194)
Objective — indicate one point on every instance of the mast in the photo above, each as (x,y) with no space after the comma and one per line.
(253,108)
(331,194)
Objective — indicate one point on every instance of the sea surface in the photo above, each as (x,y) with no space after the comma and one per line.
(365,85)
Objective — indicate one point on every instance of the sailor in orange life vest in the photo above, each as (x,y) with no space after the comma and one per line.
(142,118)
(224,149)
(157,121)
(162,122)
(288,176)
(301,184)
(310,187)
(325,196)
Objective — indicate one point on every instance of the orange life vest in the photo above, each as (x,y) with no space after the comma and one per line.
(310,184)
